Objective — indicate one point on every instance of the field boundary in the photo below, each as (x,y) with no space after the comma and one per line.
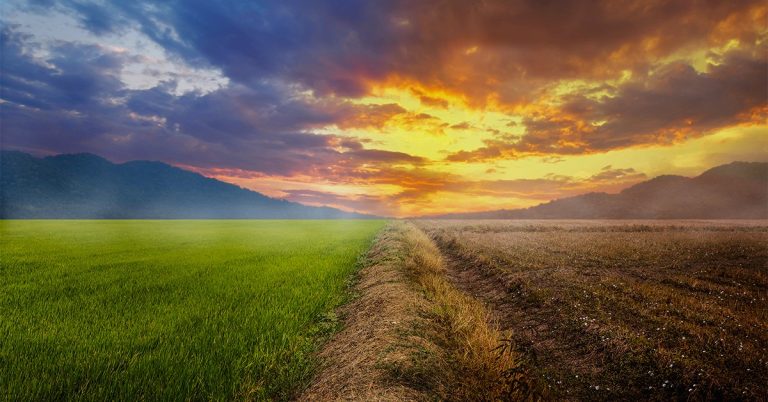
(382,307)
(409,334)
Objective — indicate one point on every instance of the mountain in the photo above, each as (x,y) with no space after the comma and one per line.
(88,186)
(738,190)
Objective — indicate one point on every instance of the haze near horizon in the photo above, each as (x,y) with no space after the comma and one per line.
(393,108)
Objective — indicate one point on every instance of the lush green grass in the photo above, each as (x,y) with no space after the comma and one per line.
(105,310)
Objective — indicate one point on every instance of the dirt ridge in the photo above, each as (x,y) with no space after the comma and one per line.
(411,335)
(355,360)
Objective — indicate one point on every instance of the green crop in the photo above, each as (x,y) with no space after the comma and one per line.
(200,310)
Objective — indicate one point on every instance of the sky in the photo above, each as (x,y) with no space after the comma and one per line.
(396,108)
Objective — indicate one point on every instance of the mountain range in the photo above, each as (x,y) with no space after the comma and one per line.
(738,190)
(88,186)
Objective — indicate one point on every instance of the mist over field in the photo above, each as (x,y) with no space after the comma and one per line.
(88,186)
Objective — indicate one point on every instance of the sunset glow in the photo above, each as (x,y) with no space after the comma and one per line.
(394,108)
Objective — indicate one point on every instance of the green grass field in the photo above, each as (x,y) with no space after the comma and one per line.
(107,310)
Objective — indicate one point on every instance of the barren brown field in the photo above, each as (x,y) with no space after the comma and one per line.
(622,309)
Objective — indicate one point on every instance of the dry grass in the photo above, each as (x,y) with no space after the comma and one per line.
(464,356)
(606,310)
(411,335)
(384,306)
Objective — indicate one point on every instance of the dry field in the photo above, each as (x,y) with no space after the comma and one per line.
(622,309)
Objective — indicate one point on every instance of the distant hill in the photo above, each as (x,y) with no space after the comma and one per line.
(88,186)
(738,190)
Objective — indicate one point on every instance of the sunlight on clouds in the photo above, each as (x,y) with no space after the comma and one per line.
(439,131)
(394,111)
(687,158)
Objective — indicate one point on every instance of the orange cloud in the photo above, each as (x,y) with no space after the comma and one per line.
(408,107)
(673,104)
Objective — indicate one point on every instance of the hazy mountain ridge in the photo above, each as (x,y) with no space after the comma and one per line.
(738,190)
(88,186)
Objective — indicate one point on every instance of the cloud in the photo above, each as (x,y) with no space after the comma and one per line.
(349,202)
(430,100)
(368,116)
(383,117)
(96,18)
(73,101)
(461,126)
(310,90)
(609,174)
(420,186)
(553,186)
(674,103)
(342,47)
